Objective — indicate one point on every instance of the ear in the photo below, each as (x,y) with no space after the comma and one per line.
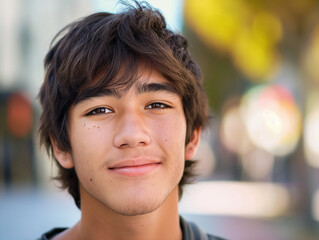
(191,147)
(64,158)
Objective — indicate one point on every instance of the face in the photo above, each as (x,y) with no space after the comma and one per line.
(128,149)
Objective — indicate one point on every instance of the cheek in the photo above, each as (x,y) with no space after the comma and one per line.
(88,143)
(87,136)
(171,134)
(176,146)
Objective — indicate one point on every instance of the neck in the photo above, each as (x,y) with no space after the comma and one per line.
(97,222)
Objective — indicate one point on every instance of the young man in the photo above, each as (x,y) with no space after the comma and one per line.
(123,109)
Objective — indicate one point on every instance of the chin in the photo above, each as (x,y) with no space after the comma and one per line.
(139,205)
(137,208)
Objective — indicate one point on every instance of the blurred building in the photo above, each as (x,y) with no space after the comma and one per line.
(27,28)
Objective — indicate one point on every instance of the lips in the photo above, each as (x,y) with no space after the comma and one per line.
(134,167)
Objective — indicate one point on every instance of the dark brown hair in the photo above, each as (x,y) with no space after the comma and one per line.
(106,50)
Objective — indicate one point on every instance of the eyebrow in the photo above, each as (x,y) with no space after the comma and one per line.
(89,93)
(140,88)
(155,87)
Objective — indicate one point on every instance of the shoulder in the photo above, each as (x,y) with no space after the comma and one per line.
(193,232)
(52,233)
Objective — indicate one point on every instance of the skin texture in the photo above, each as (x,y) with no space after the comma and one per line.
(129,151)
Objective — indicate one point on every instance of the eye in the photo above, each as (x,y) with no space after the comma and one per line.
(100,110)
(157,105)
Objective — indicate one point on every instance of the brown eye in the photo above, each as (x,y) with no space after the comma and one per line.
(101,110)
(157,105)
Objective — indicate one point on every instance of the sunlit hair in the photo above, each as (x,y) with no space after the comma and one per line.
(107,50)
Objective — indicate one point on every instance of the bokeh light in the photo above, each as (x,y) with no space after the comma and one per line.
(272,118)
(311,136)
(257,163)
(232,131)
(19,114)
(263,200)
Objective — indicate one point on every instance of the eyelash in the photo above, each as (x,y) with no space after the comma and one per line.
(100,110)
(104,110)
(157,105)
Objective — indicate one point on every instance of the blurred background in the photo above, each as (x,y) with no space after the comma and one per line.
(259,159)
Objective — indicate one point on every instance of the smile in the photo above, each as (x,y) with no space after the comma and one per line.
(134,168)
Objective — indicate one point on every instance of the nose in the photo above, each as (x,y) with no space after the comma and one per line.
(131,131)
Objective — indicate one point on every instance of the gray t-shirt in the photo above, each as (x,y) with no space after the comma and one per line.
(193,232)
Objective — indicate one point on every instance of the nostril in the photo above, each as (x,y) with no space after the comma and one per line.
(123,145)
(132,140)
(133,144)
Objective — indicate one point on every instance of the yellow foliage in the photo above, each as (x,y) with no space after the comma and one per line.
(231,26)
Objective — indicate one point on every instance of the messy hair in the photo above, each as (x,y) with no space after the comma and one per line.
(106,50)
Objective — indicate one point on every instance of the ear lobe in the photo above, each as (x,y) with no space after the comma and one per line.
(193,144)
(64,158)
